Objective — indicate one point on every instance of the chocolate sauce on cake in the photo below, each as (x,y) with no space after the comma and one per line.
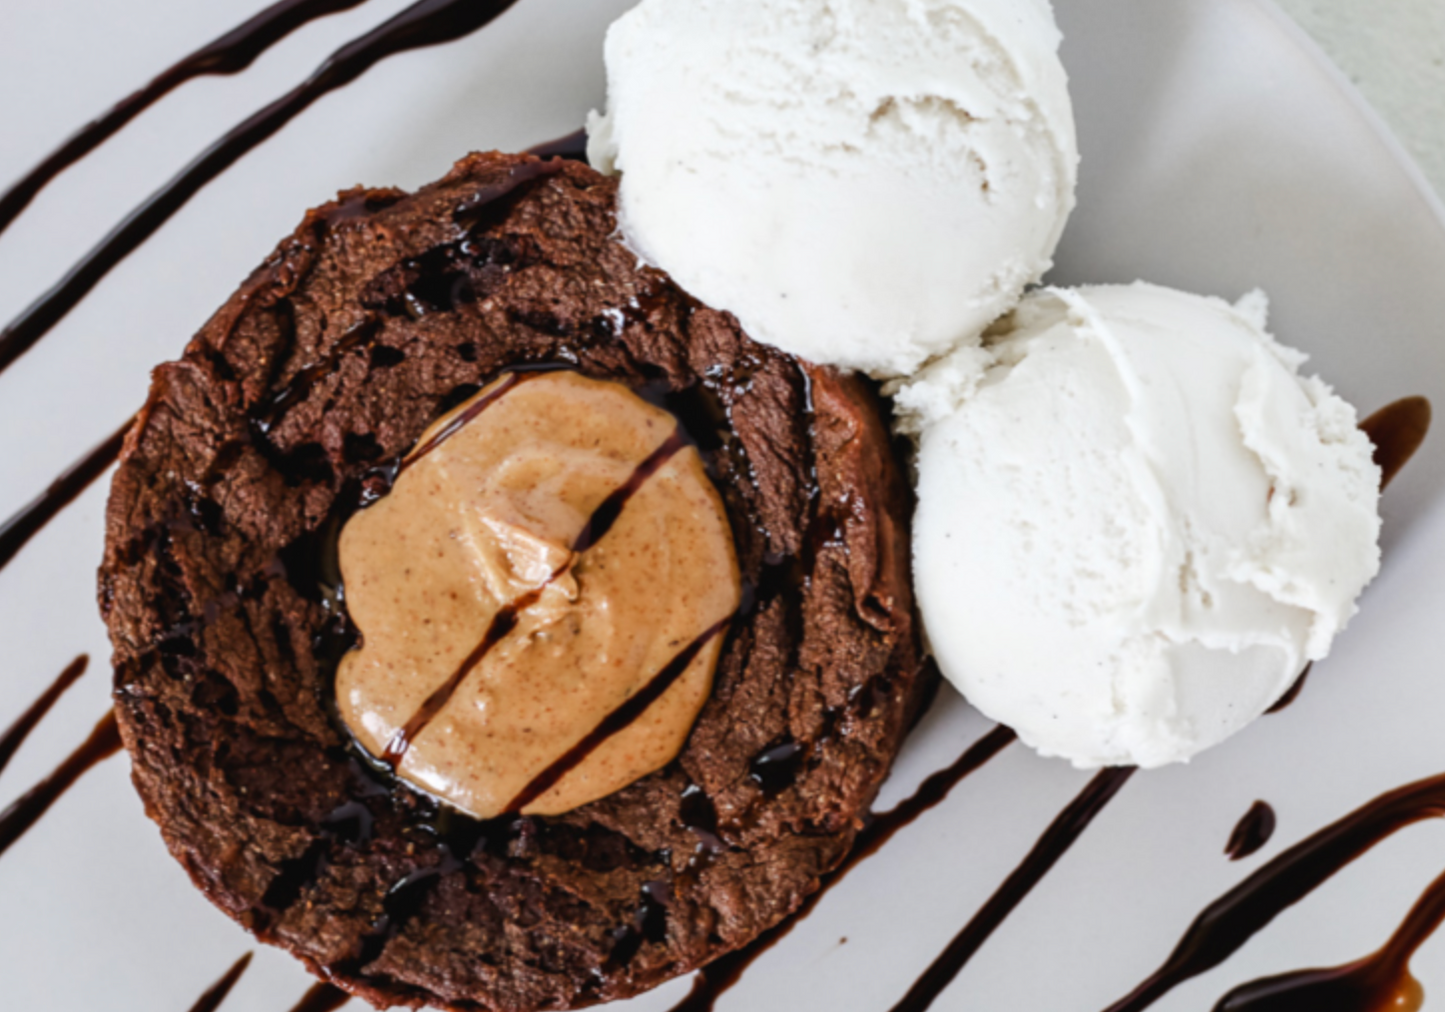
(1252,832)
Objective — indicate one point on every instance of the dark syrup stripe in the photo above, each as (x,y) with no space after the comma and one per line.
(103,743)
(20,730)
(713,980)
(1293,692)
(322,998)
(424,23)
(1379,983)
(211,1000)
(1252,833)
(229,54)
(505,620)
(619,719)
(1232,920)
(1054,844)
(482,403)
(23,526)
(573,147)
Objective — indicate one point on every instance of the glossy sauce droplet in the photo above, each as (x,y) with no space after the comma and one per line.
(1252,833)
(1397,430)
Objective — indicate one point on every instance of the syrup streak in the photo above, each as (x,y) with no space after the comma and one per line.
(712,980)
(211,1000)
(424,23)
(1233,919)
(20,730)
(322,998)
(619,719)
(229,54)
(1378,983)
(1054,844)
(103,743)
(23,526)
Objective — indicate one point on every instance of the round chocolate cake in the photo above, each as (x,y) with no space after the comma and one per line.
(289,412)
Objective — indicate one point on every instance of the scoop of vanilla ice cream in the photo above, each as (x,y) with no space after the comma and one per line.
(863,183)
(1136,521)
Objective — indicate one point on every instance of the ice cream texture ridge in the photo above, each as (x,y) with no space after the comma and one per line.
(1137,521)
(863,183)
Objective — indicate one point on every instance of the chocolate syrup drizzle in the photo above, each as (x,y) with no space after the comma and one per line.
(23,526)
(1054,844)
(713,980)
(1397,430)
(20,730)
(1233,919)
(322,998)
(424,23)
(1294,690)
(1252,833)
(103,743)
(1379,983)
(211,1000)
(619,719)
(229,54)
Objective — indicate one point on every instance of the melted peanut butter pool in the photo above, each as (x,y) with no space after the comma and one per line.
(472,599)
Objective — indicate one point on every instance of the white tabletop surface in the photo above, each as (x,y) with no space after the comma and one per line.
(1394,51)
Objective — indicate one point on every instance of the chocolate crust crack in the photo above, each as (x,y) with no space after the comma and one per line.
(290,409)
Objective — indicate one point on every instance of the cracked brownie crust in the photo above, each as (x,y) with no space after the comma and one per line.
(379,313)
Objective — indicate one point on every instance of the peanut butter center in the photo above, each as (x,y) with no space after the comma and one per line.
(550,551)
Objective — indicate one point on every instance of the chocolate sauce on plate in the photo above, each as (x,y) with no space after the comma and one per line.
(1379,983)
(1232,920)
(20,730)
(1054,844)
(1294,691)
(211,1000)
(1397,430)
(23,813)
(713,980)
(322,998)
(1252,832)
(424,23)
(23,526)
(229,54)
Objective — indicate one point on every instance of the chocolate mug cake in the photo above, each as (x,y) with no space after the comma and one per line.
(299,411)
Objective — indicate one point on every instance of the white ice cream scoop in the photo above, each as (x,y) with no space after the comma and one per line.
(1137,522)
(864,183)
